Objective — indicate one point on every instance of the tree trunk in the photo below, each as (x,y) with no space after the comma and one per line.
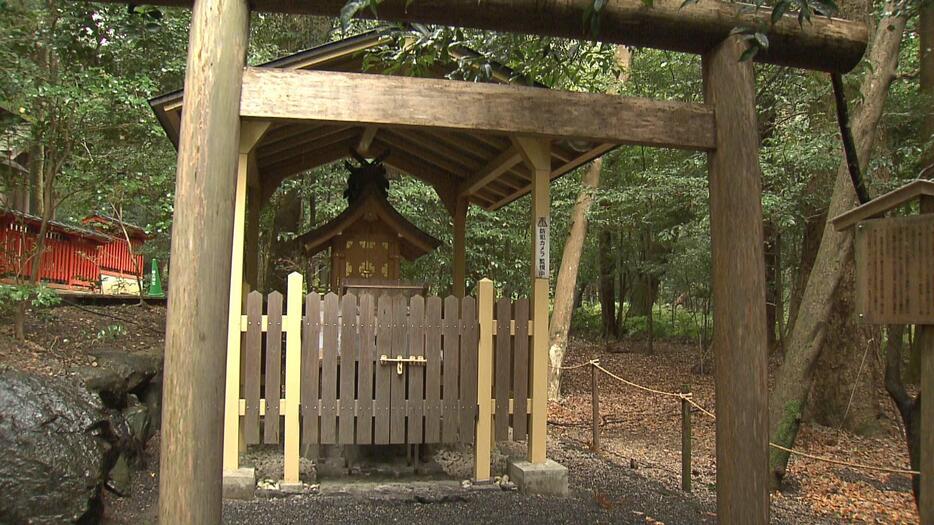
(567,278)
(807,337)
(286,222)
(926,73)
(908,408)
(813,232)
(845,392)
(643,295)
(772,291)
(607,288)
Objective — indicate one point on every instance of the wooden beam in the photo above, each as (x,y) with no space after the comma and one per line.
(190,485)
(738,282)
(557,172)
(493,169)
(404,101)
(366,139)
(583,158)
(823,43)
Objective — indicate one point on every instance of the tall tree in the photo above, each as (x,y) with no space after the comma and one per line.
(808,336)
(566,284)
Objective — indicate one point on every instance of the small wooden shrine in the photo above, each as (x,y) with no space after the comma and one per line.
(368,239)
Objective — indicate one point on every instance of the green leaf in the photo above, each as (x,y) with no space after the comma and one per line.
(762,40)
(779,10)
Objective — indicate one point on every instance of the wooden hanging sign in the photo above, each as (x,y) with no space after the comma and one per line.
(895,270)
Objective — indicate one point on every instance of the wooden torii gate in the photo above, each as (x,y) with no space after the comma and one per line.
(219,91)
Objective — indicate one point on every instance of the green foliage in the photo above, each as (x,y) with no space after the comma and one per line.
(37,297)
(110,332)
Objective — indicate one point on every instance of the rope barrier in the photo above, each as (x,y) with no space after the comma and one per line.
(689,398)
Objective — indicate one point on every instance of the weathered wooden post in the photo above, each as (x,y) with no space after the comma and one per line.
(595,402)
(685,440)
(195,343)
(736,238)
(895,285)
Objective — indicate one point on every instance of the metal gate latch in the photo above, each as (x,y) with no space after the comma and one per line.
(399,361)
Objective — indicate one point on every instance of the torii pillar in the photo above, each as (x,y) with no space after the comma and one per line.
(190,488)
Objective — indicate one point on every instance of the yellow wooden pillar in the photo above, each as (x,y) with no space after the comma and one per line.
(537,154)
(483,438)
(250,133)
(293,379)
(459,288)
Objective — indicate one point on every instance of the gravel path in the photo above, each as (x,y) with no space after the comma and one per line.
(602,492)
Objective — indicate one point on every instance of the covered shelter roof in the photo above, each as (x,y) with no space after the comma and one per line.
(371,205)
(486,168)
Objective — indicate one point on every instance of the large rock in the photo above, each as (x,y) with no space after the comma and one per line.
(53,459)
(118,373)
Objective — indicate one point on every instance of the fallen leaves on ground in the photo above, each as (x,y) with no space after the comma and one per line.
(643,431)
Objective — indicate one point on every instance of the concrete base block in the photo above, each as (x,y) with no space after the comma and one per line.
(240,483)
(292,488)
(548,478)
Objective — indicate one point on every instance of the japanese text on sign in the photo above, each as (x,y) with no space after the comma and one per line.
(542,264)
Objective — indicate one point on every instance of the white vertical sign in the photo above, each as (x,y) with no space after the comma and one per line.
(542,242)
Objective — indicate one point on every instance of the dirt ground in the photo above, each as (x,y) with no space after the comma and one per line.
(644,430)
(635,479)
(62,338)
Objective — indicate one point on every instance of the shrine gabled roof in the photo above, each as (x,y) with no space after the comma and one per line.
(485,168)
(371,205)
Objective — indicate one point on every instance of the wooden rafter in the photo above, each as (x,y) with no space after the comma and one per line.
(492,108)
(493,169)
(309,158)
(366,139)
(394,140)
(304,140)
(429,141)
(466,142)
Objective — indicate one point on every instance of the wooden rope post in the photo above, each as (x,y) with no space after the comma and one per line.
(482,440)
(537,154)
(595,402)
(738,277)
(685,440)
(190,487)
(293,377)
